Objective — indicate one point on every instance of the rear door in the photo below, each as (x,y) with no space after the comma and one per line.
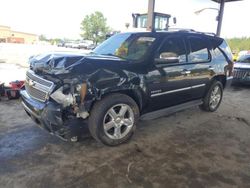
(199,60)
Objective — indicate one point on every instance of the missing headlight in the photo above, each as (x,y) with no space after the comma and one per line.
(61,98)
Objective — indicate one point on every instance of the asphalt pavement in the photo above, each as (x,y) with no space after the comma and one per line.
(191,148)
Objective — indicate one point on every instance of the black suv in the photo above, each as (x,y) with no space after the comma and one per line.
(127,76)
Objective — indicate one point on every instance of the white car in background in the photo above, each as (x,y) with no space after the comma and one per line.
(85,44)
(75,45)
(243,52)
(68,44)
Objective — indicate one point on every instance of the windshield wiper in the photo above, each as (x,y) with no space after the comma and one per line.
(92,53)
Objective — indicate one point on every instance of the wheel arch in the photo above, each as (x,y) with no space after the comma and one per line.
(221,78)
(135,94)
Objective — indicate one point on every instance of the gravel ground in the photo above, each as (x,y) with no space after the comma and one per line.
(191,148)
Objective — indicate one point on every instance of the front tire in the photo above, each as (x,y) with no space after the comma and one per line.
(213,98)
(113,119)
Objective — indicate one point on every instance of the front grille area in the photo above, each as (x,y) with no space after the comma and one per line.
(38,79)
(240,73)
(37,87)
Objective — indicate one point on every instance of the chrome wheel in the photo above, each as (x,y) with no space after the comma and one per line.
(118,121)
(215,97)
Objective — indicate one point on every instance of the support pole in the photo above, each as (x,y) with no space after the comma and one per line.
(220,17)
(150,20)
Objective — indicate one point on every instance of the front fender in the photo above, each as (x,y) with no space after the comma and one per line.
(105,81)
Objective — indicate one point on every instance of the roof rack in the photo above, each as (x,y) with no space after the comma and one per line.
(191,30)
(181,29)
(206,33)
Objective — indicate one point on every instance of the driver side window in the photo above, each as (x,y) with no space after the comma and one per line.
(173,50)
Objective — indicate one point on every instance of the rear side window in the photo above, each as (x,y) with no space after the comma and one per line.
(221,48)
(218,54)
(198,50)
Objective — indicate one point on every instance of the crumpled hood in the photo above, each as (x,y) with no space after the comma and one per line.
(61,62)
(242,65)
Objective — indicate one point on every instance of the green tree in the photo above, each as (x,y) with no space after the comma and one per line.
(43,38)
(94,27)
(238,44)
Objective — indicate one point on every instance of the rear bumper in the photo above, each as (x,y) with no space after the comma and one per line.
(47,115)
(229,82)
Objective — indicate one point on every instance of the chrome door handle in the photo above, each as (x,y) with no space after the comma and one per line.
(211,68)
(186,72)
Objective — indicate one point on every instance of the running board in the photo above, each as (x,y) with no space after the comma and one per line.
(170,110)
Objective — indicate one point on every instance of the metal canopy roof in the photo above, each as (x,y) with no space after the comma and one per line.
(219,1)
(151,5)
(221,12)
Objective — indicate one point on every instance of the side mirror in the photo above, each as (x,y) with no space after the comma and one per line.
(135,20)
(167,57)
(174,20)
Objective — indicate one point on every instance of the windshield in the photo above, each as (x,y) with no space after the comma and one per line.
(244,59)
(127,46)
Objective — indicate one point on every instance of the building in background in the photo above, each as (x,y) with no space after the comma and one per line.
(9,36)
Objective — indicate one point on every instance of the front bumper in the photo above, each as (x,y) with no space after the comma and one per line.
(245,80)
(241,76)
(47,115)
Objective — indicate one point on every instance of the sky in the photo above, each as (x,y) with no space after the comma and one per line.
(62,18)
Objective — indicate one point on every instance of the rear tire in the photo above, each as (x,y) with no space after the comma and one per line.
(113,119)
(213,98)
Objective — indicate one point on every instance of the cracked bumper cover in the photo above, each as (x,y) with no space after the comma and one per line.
(48,115)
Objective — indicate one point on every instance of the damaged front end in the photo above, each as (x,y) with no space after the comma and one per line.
(60,89)
(57,102)
(59,109)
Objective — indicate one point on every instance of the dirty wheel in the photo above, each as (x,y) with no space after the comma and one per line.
(113,119)
(213,97)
